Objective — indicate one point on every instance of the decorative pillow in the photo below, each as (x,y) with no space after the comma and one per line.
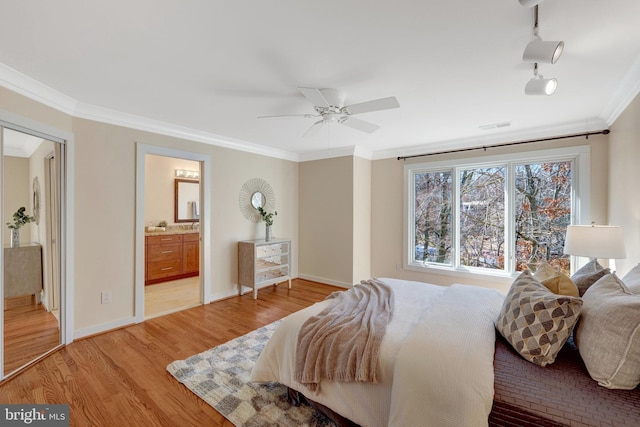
(556,282)
(535,321)
(589,274)
(608,335)
(632,278)
(544,271)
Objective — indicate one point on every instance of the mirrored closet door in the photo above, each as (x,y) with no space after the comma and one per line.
(32,194)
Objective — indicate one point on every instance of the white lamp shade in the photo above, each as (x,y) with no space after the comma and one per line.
(543,51)
(595,241)
(530,3)
(540,86)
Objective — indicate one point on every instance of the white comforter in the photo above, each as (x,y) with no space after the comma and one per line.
(436,360)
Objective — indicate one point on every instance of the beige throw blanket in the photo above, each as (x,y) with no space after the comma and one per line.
(342,342)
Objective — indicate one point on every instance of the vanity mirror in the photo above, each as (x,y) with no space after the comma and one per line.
(187,200)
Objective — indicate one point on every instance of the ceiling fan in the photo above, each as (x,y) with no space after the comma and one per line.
(329,106)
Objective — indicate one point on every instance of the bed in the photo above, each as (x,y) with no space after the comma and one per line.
(415,381)
(442,363)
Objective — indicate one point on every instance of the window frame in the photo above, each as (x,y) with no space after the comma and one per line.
(580,202)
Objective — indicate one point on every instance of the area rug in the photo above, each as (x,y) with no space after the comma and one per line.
(221,377)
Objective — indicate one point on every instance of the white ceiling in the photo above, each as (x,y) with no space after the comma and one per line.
(206,69)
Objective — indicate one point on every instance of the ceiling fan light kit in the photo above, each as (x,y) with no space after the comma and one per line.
(329,106)
(540,51)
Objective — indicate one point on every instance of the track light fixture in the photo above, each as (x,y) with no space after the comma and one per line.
(541,51)
(530,3)
(538,85)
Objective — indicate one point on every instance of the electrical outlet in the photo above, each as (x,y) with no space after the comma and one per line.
(105,297)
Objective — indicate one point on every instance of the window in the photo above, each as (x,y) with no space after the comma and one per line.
(496,216)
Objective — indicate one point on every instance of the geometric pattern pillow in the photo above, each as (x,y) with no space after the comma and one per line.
(589,274)
(535,321)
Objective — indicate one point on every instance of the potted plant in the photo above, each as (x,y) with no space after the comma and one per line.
(19,219)
(268,220)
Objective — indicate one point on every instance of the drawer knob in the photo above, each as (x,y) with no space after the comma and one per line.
(166,269)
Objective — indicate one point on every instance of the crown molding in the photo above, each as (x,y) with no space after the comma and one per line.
(354,150)
(627,90)
(33,89)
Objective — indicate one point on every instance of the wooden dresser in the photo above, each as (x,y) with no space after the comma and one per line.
(262,263)
(171,257)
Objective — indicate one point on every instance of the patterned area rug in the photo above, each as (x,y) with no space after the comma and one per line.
(221,377)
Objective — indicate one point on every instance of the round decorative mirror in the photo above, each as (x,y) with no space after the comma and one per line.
(36,199)
(256,193)
(257,200)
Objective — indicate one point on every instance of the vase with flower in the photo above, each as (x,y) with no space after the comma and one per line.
(19,219)
(268,220)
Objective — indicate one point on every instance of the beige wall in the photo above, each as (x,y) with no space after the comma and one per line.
(361,219)
(104,209)
(335,220)
(387,210)
(326,220)
(624,181)
(159,185)
(105,214)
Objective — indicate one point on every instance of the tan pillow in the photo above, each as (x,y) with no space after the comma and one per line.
(589,274)
(561,284)
(535,321)
(556,282)
(608,335)
(544,271)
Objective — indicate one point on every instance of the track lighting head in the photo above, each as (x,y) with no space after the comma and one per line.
(543,51)
(530,3)
(538,85)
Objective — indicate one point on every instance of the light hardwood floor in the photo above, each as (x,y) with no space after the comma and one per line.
(168,297)
(119,378)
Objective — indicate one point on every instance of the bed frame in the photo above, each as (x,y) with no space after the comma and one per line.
(526,395)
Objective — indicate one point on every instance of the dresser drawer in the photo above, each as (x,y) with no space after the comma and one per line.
(164,238)
(164,252)
(160,269)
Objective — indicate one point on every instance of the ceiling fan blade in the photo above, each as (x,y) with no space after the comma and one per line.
(306,116)
(312,126)
(314,96)
(375,105)
(358,124)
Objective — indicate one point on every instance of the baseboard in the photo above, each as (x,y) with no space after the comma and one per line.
(94,330)
(325,280)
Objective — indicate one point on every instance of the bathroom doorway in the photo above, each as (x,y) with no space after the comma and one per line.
(171,230)
(172,235)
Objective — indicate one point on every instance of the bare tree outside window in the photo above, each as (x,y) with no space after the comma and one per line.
(539,211)
(482,225)
(433,210)
(543,212)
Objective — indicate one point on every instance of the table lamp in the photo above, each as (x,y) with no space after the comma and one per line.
(595,241)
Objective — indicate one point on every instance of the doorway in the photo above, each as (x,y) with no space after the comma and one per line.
(192,244)
(172,235)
